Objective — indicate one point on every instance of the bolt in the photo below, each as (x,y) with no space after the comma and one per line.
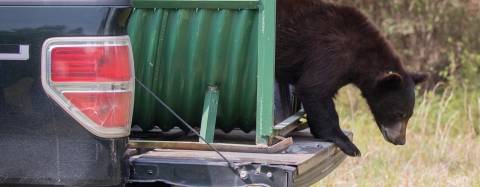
(243,174)
(269,174)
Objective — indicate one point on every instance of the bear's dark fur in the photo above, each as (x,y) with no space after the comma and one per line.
(322,47)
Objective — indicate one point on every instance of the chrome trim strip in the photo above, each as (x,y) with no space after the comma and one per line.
(23,54)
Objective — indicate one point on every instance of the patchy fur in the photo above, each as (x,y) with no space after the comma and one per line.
(322,47)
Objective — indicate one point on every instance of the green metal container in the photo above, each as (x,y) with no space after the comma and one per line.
(181,47)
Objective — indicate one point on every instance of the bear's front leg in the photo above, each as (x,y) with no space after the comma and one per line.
(324,124)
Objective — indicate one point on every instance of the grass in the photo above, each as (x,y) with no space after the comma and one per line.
(443,143)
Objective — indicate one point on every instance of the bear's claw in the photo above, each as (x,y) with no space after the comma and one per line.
(342,142)
(348,148)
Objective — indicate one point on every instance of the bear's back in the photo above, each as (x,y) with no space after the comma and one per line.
(304,24)
(313,35)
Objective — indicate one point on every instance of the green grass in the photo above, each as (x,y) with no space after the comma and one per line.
(443,145)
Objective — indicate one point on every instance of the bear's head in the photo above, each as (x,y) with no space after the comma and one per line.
(391,101)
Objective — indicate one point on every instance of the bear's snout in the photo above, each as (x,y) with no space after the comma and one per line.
(395,133)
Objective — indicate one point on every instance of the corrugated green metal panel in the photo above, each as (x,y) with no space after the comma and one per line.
(180,52)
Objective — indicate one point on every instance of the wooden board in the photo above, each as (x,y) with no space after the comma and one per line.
(183,145)
(290,124)
(284,159)
(306,154)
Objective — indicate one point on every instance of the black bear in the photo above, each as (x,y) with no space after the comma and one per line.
(321,47)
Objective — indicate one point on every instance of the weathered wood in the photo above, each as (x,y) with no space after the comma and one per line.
(290,124)
(303,161)
(284,159)
(278,147)
(305,154)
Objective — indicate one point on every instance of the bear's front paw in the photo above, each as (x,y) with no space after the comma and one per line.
(348,147)
(340,139)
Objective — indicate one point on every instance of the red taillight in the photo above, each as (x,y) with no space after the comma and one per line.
(92,79)
(105,109)
(82,64)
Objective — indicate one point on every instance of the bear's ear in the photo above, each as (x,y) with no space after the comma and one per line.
(418,77)
(390,80)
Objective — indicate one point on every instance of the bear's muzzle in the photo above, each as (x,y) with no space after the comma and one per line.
(395,133)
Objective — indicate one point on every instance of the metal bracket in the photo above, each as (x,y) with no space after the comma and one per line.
(209,116)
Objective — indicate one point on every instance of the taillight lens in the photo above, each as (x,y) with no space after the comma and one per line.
(98,64)
(105,109)
(92,78)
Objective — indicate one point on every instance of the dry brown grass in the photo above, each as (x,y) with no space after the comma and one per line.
(443,147)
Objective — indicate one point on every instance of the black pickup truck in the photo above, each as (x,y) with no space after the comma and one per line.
(66,104)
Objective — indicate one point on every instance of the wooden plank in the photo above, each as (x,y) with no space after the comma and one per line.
(284,159)
(305,154)
(278,147)
(303,161)
(288,125)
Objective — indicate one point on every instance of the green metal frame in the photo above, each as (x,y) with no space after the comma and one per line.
(266,71)
(265,67)
(223,4)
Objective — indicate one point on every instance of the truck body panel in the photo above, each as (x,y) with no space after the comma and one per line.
(40,143)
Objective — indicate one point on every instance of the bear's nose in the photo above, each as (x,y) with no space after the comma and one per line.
(395,133)
(399,140)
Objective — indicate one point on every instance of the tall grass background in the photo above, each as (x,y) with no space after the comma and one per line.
(442,38)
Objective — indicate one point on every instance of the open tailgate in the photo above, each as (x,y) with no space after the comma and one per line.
(304,162)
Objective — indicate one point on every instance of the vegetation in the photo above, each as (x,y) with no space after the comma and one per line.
(436,36)
(443,147)
(440,37)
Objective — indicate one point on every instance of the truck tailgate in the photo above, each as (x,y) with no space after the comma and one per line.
(303,163)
